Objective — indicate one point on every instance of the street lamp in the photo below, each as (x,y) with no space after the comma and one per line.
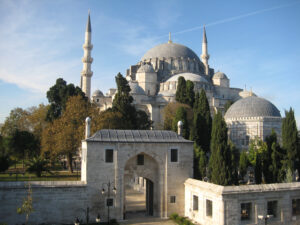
(265,218)
(98,219)
(110,187)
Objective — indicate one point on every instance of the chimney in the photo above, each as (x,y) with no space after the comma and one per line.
(179,127)
(87,127)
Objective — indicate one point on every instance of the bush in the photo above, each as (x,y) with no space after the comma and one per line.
(180,220)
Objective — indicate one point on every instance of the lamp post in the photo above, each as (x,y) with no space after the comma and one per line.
(110,187)
(265,218)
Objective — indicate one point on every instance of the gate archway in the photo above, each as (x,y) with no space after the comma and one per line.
(141,186)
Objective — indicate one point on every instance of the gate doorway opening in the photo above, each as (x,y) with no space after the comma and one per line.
(139,198)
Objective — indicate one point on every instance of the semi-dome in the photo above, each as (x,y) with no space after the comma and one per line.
(188,76)
(136,89)
(97,93)
(252,106)
(146,68)
(170,50)
(220,75)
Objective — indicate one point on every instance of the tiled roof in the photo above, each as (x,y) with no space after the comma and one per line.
(144,136)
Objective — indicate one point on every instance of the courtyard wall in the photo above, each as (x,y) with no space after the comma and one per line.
(53,201)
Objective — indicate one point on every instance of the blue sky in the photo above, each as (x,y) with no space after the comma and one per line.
(256,43)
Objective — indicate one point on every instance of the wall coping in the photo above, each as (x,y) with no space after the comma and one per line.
(41,184)
(253,188)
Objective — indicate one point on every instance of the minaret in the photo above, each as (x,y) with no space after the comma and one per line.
(205,55)
(87,60)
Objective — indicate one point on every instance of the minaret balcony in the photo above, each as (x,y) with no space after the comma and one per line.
(87,46)
(86,73)
(87,59)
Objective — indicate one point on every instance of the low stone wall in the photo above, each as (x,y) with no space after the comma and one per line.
(53,201)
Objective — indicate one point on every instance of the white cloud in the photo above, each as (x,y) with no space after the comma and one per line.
(31,48)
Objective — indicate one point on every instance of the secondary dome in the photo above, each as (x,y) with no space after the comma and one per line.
(146,68)
(170,50)
(188,76)
(220,75)
(97,93)
(252,107)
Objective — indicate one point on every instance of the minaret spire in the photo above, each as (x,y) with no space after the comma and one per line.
(87,60)
(205,55)
(170,40)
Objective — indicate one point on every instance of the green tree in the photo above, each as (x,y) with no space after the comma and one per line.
(234,163)
(220,159)
(290,139)
(23,144)
(243,164)
(181,114)
(257,156)
(202,122)
(169,113)
(58,95)
(122,103)
(181,90)
(200,163)
(38,165)
(190,94)
(17,120)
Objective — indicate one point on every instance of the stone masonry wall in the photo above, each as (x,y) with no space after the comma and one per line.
(53,201)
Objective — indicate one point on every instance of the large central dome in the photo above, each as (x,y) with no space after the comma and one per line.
(170,50)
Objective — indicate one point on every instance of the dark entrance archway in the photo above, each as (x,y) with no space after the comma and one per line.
(140,187)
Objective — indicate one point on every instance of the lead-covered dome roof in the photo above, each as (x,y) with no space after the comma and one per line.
(252,106)
(188,76)
(135,88)
(146,68)
(97,93)
(220,75)
(170,50)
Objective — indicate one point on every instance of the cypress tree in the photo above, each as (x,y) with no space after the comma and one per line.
(202,122)
(220,159)
(181,114)
(181,90)
(243,164)
(200,162)
(122,103)
(290,138)
(190,94)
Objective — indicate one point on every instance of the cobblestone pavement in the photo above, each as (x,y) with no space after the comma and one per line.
(136,211)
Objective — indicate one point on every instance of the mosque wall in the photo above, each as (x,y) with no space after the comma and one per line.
(208,203)
(53,201)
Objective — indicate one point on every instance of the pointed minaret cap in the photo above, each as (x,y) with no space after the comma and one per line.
(170,41)
(204,35)
(88,25)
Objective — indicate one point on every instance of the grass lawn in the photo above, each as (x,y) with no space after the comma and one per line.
(55,176)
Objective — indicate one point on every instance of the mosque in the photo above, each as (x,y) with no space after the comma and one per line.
(153,82)
(114,161)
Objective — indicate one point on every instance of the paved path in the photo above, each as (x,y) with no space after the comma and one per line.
(148,221)
(136,211)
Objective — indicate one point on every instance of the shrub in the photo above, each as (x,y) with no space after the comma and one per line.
(180,220)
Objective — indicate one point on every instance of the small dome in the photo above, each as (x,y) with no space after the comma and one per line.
(135,88)
(188,76)
(220,75)
(146,68)
(252,107)
(97,93)
(170,50)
